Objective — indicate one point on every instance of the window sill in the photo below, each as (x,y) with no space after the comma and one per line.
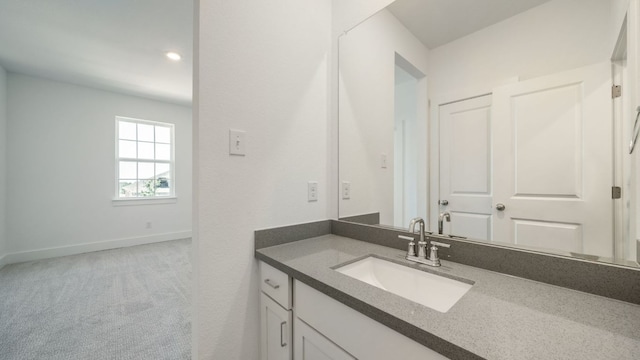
(145,201)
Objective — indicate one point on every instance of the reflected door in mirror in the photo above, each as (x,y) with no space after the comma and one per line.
(465,167)
(515,170)
(553,150)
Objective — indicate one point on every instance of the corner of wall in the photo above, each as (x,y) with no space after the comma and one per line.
(3,165)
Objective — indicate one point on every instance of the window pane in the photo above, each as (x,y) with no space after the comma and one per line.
(127,149)
(163,187)
(145,170)
(126,130)
(145,132)
(127,188)
(144,143)
(163,170)
(127,170)
(163,134)
(163,152)
(145,151)
(147,188)
(162,183)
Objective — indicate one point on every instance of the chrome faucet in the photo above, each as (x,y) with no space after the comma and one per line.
(423,256)
(422,244)
(443,216)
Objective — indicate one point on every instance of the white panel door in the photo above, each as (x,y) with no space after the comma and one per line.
(465,167)
(276,329)
(311,345)
(553,161)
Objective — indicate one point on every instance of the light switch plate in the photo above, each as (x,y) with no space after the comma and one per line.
(383,161)
(236,142)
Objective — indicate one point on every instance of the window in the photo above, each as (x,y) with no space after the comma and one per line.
(145,160)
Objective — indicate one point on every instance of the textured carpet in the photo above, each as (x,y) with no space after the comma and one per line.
(130,303)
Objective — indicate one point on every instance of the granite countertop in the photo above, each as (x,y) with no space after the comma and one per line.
(501,317)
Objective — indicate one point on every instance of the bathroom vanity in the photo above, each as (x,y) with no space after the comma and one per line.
(323,327)
(330,315)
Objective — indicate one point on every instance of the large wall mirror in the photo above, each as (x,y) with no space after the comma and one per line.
(499,120)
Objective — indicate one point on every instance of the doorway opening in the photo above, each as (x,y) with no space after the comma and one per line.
(410,143)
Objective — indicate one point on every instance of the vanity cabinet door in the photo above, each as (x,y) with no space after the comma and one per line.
(275,321)
(311,345)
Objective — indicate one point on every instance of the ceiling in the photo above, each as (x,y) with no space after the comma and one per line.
(119,45)
(116,45)
(437,22)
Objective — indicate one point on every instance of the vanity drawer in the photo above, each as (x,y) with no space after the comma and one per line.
(276,284)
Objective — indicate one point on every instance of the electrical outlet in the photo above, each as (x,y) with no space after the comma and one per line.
(312,191)
(346,190)
(148,224)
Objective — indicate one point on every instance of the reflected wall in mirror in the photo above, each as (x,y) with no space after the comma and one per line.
(501,115)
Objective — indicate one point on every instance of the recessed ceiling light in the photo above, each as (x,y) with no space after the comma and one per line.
(173,56)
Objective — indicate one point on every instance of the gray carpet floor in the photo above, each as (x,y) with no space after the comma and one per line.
(130,303)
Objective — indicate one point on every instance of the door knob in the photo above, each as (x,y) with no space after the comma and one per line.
(443,202)
(500,207)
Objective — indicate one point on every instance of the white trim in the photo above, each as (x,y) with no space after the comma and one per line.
(3,260)
(22,256)
(144,201)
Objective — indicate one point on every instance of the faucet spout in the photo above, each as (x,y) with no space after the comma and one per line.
(443,216)
(422,245)
(412,227)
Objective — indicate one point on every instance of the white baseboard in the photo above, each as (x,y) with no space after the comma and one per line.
(22,256)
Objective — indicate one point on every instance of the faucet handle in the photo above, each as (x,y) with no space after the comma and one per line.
(433,256)
(411,251)
(436,243)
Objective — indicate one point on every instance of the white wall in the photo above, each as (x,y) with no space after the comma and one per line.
(61,165)
(367,69)
(345,14)
(618,12)
(556,36)
(3,164)
(261,67)
(349,13)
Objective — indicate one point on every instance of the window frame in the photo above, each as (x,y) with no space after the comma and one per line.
(171,198)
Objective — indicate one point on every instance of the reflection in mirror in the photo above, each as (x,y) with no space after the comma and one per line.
(499,114)
(383,145)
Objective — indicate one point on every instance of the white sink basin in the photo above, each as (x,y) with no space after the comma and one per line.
(437,292)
